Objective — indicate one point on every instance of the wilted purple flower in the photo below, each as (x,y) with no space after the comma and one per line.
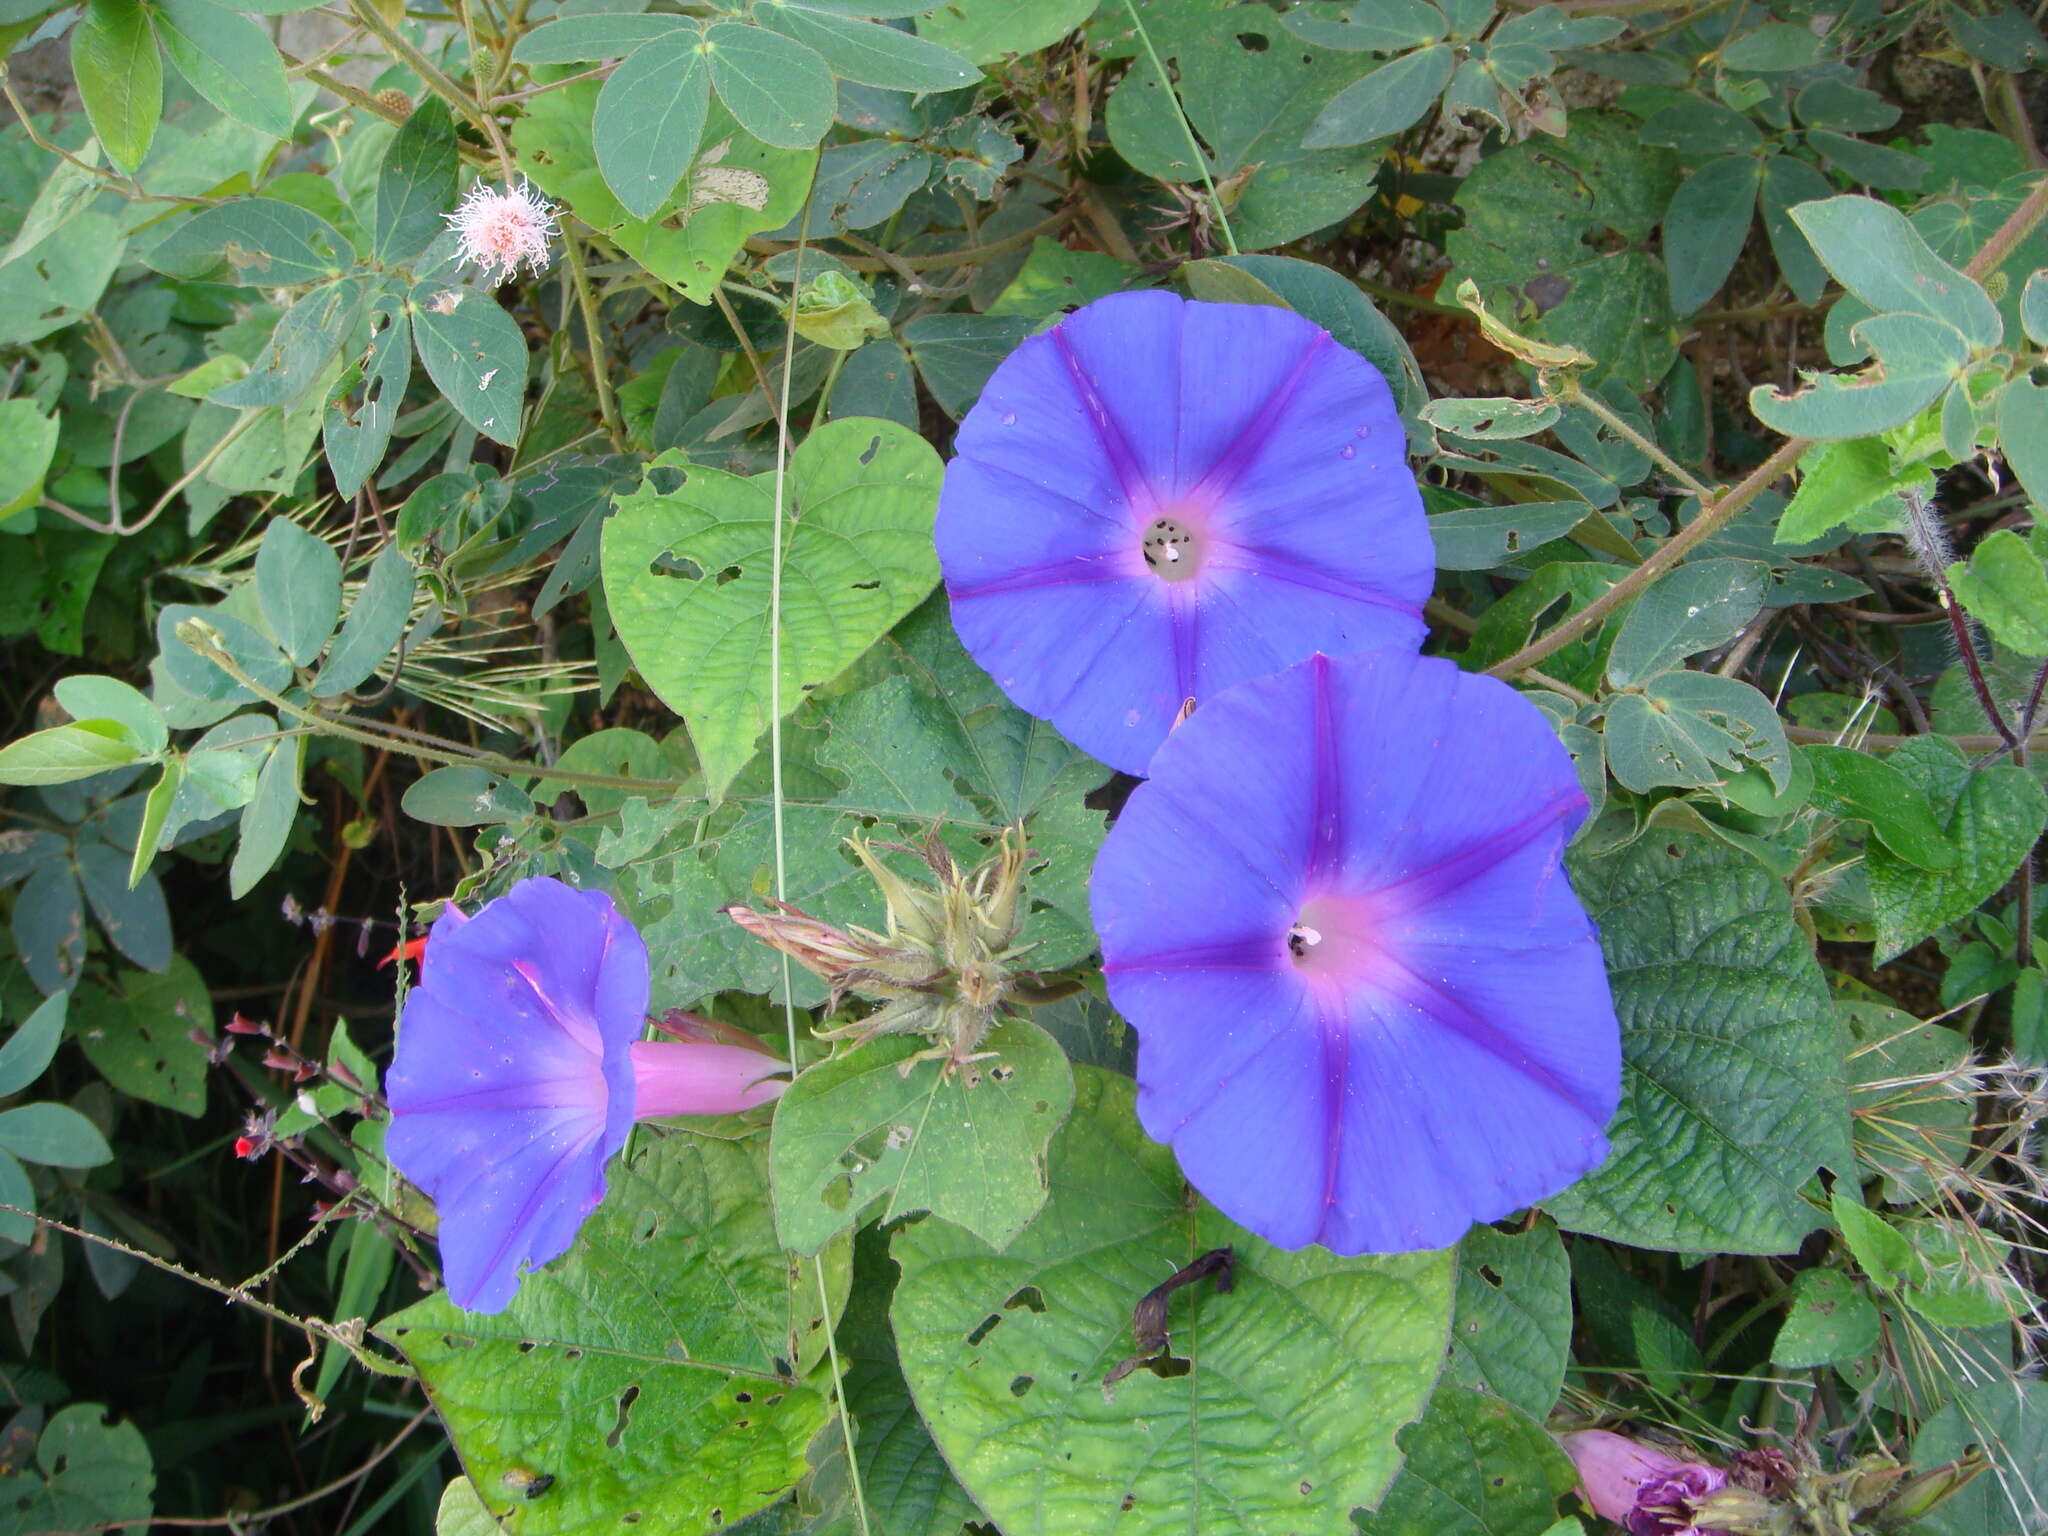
(1640,1488)
(1370,1009)
(520,1070)
(1156,499)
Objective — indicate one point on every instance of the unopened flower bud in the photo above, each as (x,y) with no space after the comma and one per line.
(1645,1491)
(943,968)
(1914,1498)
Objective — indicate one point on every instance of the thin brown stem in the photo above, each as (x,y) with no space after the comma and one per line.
(249,1519)
(1713,517)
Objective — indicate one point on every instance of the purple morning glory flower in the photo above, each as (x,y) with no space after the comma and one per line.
(1157,498)
(520,1070)
(1645,1491)
(1370,1009)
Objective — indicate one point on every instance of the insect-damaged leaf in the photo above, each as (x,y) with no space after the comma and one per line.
(659,1375)
(1006,1354)
(687,576)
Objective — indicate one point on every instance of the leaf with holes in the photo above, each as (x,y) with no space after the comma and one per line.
(687,577)
(1700,605)
(1006,1354)
(138,1032)
(1540,240)
(660,1375)
(475,354)
(738,186)
(89,1475)
(1512,1331)
(356,435)
(1475,1467)
(968,1145)
(1992,814)
(1918,358)
(1732,1090)
(1251,92)
(910,1489)
(1694,728)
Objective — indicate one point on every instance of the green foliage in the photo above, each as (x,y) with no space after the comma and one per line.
(1993,815)
(1732,1093)
(653,1371)
(1251,103)
(302,641)
(1511,1328)
(1005,1352)
(88,1473)
(1539,223)
(873,1126)
(1476,1467)
(689,572)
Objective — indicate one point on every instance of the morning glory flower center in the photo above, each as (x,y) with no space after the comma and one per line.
(1336,939)
(1173,550)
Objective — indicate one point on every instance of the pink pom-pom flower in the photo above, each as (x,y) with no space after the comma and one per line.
(502,229)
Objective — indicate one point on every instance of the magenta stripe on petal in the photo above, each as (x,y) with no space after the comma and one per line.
(1370,1009)
(1269,462)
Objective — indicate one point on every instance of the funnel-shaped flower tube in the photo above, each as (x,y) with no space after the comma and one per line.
(1645,1491)
(1156,499)
(520,1070)
(1370,1010)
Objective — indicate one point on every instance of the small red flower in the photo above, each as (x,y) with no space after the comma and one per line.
(245,1148)
(411,951)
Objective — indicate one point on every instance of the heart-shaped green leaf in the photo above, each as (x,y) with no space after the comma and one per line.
(688,574)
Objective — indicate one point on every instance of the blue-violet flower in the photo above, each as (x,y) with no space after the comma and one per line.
(1370,1009)
(1157,498)
(520,1070)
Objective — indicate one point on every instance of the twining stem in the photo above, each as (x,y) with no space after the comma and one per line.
(197,636)
(1813,736)
(433,78)
(1714,516)
(1929,542)
(253,1519)
(312,1327)
(777,793)
(2017,226)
